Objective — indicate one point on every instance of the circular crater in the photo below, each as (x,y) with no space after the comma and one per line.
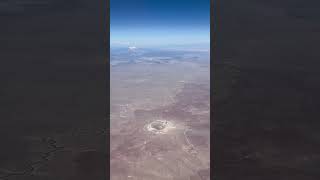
(159,126)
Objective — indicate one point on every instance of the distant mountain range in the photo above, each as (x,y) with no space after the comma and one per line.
(154,56)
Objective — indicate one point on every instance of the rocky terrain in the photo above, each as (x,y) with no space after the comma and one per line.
(161,129)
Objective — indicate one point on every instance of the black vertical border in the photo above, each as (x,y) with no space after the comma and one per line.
(213,19)
(106,28)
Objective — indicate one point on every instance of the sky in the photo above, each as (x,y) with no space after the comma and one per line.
(145,23)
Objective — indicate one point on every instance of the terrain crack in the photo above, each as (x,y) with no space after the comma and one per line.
(51,143)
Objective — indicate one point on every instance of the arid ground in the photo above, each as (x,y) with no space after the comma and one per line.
(160,126)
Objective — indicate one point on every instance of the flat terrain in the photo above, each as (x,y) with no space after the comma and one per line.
(160,125)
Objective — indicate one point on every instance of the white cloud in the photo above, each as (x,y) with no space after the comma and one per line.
(132,48)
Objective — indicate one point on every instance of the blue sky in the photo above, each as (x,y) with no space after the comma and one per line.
(145,23)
